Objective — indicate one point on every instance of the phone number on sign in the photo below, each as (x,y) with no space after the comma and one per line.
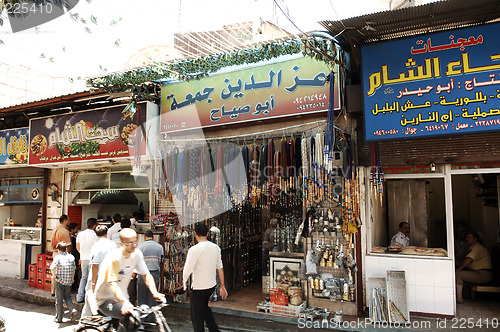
(27,7)
(467,323)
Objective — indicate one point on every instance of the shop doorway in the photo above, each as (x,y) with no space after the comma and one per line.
(476,207)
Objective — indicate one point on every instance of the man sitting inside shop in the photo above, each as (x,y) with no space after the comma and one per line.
(402,238)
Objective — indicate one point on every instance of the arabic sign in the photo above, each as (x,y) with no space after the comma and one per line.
(280,89)
(437,84)
(99,134)
(14,146)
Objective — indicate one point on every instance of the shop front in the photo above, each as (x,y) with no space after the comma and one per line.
(255,154)
(98,163)
(21,208)
(431,116)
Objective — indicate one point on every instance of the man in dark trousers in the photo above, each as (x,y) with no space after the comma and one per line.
(153,255)
(204,262)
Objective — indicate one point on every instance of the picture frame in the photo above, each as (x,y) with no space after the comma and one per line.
(284,268)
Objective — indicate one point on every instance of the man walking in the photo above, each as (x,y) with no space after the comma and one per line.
(84,242)
(63,274)
(61,233)
(114,231)
(204,262)
(153,256)
(98,252)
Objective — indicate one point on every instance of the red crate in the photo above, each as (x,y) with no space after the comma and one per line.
(40,260)
(32,268)
(39,282)
(48,261)
(48,285)
(32,275)
(32,282)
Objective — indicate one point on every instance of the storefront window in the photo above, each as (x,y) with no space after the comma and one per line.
(408,217)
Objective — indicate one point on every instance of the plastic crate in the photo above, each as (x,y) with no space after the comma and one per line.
(32,282)
(47,285)
(32,268)
(39,282)
(48,260)
(287,310)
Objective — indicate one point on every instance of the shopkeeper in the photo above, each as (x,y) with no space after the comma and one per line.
(401,238)
(476,267)
(268,243)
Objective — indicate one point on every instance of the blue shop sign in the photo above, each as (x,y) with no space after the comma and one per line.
(444,83)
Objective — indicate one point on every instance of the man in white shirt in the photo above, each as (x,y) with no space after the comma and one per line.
(117,270)
(98,252)
(84,242)
(402,238)
(204,262)
(114,231)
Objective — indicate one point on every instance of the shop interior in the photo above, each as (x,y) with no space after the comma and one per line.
(101,193)
(191,177)
(475,205)
(421,203)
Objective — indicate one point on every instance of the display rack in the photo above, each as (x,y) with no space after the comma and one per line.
(335,248)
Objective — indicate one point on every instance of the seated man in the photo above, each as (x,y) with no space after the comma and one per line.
(476,268)
(401,238)
(114,278)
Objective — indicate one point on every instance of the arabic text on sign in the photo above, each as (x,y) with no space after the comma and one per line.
(429,71)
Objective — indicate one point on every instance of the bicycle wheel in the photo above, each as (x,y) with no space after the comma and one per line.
(87,328)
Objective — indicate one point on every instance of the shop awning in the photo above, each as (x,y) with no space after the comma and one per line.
(435,16)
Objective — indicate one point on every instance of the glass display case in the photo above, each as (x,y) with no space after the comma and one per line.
(27,235)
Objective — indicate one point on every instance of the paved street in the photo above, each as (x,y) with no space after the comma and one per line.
(23,316)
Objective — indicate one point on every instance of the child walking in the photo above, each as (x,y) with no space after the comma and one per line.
(63,273)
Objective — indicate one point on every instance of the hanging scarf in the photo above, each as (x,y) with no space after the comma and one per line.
(330,126)
(244,154)
(179,174)
(255,166)
(298,156)
(312,157)
(219,178)
(319,149)
(305,159)
(283,159)
(270,169)
(263,165)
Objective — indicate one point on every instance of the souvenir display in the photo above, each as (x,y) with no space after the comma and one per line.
(303,180)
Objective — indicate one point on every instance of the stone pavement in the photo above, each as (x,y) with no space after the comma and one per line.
(484,313)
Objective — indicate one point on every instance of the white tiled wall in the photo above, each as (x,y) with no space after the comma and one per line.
(430,284)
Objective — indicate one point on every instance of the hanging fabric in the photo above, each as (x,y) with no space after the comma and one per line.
(244,155)
(179,175)
(270,170)
(254,187)
(330,126)
(219,178)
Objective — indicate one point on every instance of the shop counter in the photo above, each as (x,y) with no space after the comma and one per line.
(18,249)
(430,280)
